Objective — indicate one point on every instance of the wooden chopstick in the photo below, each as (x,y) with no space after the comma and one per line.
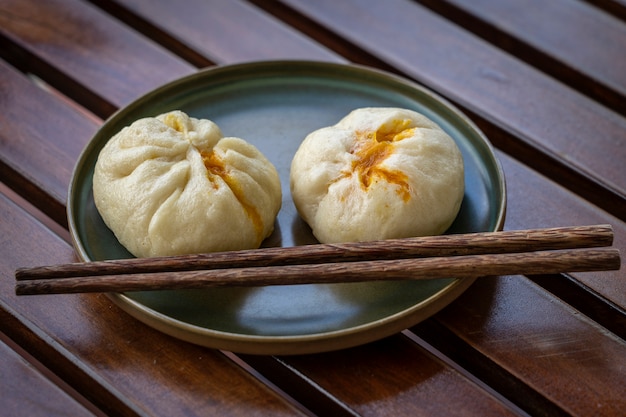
(429,246)
(459,256)
(466,266)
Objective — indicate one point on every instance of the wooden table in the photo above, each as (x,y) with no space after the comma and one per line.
(545,81)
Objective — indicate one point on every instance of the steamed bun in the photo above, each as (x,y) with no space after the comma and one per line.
(379,173)
(172,184)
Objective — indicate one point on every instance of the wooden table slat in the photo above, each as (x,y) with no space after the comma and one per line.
(105,56)
(25,391)
(579,44)
(404,380)
(210,27)
(554,350)
(40,141)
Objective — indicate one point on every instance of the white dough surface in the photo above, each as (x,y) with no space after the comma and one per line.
(172,184)
(379,173)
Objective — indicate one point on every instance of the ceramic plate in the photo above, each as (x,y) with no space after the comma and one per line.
(274,105)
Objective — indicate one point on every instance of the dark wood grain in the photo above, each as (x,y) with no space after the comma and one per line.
(103,64)
(404,379)
(211,28)
(40,140)
(549,347)
(572,41)
(26,391)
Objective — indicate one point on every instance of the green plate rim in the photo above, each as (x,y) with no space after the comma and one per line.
(289,344)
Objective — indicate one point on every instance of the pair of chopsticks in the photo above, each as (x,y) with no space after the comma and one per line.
(522,252)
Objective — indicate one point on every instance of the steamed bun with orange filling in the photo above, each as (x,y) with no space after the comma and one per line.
(379,173)
(172,184)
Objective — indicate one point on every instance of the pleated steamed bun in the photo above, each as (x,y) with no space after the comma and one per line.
(172,184)
(379,173)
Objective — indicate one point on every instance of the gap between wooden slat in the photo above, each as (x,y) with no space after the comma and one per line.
(572,77)
(56,93)
(106,399)
(474,363)
(153,32)
(617,8)
(60,229)
(414,337)
(51,376)
(27,62)
(298,386)
(38,199)
(550,165)
(586,300)
(262,378)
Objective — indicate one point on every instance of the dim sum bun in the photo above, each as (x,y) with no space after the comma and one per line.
(379,173)
(172,184)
